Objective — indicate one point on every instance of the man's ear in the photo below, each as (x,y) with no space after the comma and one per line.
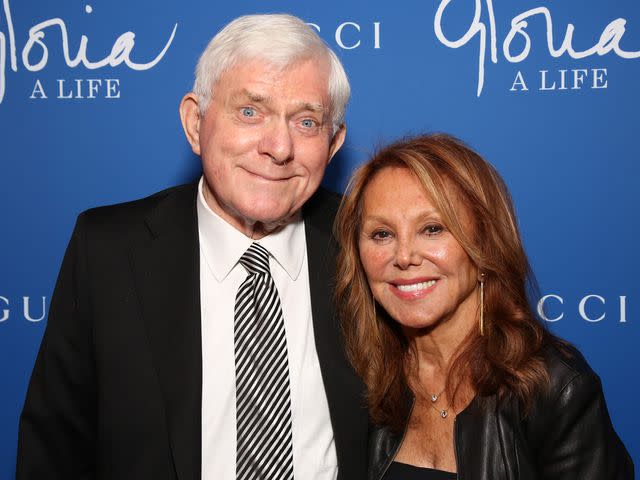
(190,118)
(337,140)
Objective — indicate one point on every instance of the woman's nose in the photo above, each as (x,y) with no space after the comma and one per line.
(406,254)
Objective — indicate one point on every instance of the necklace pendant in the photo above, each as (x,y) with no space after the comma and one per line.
(443,413)
(434,397)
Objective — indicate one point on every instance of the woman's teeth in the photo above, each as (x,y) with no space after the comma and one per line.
(416,286)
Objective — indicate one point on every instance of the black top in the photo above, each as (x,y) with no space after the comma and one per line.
(402,471)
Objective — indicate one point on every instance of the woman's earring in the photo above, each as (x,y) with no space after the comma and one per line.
(482,304)
(373,307)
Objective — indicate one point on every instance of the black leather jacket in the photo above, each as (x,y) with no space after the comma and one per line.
(567,434)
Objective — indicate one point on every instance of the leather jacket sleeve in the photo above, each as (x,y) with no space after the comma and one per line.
(574,435)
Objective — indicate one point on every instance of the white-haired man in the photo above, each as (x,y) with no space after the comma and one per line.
(191,333)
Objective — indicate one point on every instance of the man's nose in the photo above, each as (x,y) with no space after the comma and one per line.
(277,142)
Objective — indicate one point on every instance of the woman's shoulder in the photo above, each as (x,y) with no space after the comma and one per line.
(573,389)
(569,373)
(569,426)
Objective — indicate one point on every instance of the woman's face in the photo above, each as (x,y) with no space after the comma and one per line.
(415,267)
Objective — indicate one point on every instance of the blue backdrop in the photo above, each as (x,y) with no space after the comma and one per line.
(547,90)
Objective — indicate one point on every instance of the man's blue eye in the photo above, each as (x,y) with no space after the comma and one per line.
(308,123)
(248,112)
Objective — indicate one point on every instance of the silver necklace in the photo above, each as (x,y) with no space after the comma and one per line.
(444,412)
(436,396)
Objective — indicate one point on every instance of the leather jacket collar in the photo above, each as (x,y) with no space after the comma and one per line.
(567,435)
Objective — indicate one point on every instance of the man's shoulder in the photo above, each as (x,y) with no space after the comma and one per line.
(322,205)
(172,204)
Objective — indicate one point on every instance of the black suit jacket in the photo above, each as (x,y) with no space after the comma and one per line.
(117,386)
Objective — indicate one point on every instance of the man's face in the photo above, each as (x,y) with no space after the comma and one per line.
(265,142)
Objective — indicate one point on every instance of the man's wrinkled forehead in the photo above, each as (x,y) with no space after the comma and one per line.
(252,80)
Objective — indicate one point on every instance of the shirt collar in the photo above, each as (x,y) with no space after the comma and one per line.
(223,245)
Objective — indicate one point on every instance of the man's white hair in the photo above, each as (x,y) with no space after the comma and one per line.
(278,39)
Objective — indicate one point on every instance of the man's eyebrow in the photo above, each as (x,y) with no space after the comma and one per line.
(312,107)
(252,96)
(302,106)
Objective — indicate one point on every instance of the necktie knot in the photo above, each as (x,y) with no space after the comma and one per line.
(255,259)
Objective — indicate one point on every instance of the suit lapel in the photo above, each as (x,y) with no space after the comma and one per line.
(166,266)
(343,388)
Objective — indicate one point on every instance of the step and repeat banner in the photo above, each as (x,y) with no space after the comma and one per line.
(547,90)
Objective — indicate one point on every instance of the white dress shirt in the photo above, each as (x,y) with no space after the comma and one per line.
(221,246)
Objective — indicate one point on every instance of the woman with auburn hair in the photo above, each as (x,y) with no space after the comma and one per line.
(461,376)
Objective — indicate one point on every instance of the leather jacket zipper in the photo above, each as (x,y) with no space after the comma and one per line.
(395,452)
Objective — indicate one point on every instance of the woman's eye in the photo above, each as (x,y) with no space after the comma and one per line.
(433,229)
(381,235)
(248,112)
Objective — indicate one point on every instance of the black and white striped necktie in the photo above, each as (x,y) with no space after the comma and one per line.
(263,402)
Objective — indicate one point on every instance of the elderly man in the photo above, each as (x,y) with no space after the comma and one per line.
(191,333)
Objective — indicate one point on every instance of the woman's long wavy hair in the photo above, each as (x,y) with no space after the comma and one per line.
(505,360)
